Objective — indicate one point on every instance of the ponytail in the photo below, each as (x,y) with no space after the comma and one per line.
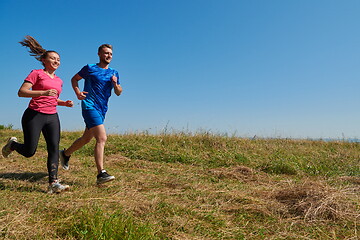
(35,49)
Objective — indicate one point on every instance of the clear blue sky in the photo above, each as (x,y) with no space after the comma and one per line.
(276,68)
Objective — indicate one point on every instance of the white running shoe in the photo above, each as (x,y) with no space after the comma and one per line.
(56,187)
(6,150)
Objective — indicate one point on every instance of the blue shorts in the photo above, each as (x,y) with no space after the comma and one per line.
(92,118)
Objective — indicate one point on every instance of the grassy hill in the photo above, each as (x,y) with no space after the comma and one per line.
(184,186)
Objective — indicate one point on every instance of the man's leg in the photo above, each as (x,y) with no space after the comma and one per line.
(99,133)
(80,142)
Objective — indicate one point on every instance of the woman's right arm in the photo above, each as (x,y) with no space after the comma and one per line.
(26,91)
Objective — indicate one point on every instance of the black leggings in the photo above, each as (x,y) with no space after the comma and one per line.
(33,123)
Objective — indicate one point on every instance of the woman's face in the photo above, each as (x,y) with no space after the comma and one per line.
(51,61)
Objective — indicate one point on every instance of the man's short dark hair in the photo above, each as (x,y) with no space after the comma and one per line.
(105,46)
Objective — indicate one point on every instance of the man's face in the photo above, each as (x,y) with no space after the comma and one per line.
(105,55)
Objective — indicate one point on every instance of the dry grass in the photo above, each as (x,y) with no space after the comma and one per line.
(314,201)
(185,199)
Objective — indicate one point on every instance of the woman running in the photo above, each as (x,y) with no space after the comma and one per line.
(44,88)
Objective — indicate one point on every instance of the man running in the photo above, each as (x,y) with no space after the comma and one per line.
(100,79)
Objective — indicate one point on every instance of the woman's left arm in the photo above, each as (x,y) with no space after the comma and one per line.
(67,103)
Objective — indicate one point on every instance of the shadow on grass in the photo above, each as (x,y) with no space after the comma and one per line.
(27,176)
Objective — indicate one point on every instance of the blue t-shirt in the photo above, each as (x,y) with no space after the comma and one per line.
(98,84)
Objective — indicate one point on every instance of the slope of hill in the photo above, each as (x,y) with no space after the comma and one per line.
(187,186)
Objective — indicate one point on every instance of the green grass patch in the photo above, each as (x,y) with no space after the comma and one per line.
(94,223)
